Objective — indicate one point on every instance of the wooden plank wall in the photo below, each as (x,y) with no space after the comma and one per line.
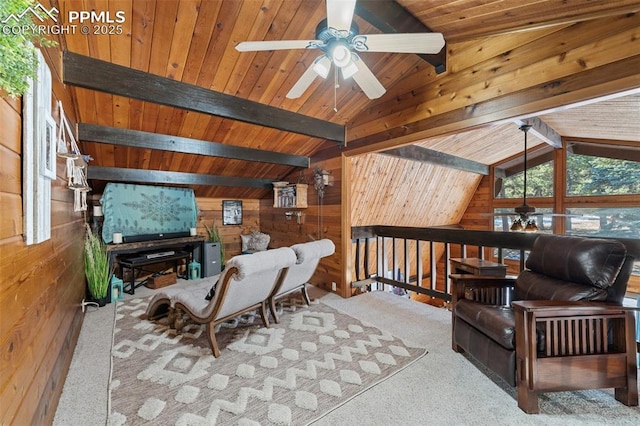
(41,286)
(392,191)
(211,212)
(286,233)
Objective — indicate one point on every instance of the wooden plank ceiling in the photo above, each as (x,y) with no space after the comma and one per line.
(192,41)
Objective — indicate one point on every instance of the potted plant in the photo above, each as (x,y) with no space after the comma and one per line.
(96,267)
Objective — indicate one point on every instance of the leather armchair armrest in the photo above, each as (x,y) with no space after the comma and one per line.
(464,282)
(612,325)
(547,308)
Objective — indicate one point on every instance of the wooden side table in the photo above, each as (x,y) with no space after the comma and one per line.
(475,266)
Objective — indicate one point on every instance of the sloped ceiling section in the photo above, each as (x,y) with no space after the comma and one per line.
(390,191)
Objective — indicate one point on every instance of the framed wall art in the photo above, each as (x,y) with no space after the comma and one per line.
(232,212)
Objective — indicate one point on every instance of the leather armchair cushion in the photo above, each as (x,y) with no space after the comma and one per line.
(534,286)
(497,322)
(589,261)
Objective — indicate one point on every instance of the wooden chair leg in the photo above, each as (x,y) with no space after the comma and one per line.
(626,396)
(272,306)
(171,318)
(211,335)
(527,399)
(263,314)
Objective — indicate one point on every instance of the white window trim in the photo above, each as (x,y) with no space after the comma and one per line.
(36,179)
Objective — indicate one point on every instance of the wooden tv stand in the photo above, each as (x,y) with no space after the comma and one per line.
(123,254)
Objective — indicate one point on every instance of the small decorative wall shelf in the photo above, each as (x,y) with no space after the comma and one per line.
(290,195)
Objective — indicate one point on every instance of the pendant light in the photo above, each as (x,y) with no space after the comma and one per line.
(524,222)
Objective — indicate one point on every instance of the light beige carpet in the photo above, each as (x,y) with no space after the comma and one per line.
(292,373)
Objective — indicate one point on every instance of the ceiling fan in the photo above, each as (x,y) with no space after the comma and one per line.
(338,38)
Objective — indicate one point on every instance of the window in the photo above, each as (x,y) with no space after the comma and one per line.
(608,222)
(38,163)
(589,172)
(510,177)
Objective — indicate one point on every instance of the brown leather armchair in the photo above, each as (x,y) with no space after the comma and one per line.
(559,325)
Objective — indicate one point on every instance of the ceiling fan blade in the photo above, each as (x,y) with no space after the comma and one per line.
(307,77)
(254,46)
(428,43)
(366,80)
(340,14)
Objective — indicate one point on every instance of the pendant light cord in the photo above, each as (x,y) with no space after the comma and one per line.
(525,128)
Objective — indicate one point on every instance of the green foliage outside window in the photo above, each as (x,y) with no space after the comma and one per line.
(539,183)
(18,60)
(587,175)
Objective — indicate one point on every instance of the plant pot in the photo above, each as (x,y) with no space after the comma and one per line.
(101,301)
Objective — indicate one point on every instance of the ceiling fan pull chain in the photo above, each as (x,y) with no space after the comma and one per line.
(335,89)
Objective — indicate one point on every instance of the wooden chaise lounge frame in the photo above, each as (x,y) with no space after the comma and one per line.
(191,301)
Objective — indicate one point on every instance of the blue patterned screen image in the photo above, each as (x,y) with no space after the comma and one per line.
(143,209)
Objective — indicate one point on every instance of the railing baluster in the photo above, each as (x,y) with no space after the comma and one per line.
(447,257)
(407,261)
(367,273)
(357,265)
(394,251)
(432,261)
(380,258)
(419,263)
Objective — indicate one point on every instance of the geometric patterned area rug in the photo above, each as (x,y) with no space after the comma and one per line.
(291,373)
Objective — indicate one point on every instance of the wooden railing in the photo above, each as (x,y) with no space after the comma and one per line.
(395,255)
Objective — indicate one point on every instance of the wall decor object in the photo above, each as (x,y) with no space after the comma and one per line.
(48,148)
(232,212)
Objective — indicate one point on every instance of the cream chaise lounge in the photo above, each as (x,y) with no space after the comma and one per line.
(246,283)
(308,256)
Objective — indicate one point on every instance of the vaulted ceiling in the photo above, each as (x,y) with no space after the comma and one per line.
(193,42)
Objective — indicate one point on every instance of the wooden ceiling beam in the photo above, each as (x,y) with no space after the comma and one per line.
(120,174)
(542,131)
(390,17)
(617,152)
(418,153)
(94,74)
(146,140)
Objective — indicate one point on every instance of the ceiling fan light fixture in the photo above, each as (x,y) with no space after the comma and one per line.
(322,65)
(516,226)
(340,53)
(531,226)
(349,70)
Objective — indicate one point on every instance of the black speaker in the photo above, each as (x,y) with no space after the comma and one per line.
(211,264)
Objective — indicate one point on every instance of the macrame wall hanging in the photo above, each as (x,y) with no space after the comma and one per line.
(76,162)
